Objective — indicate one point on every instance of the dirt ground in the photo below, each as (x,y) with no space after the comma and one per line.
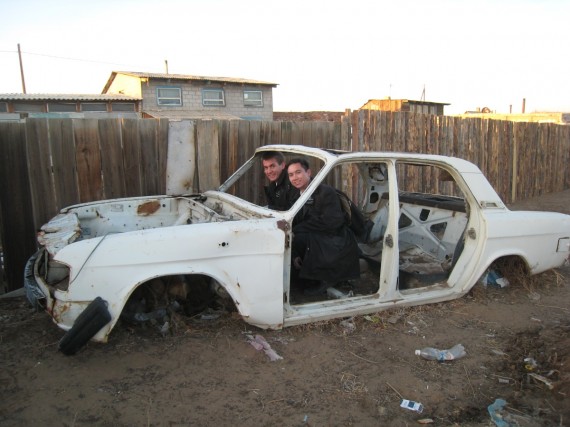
(351,372)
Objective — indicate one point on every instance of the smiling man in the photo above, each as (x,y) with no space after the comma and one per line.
(279,192)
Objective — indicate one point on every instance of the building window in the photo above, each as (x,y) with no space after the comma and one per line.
(94,106)
(61,107)
(123,106)
(169,96)
(28,107)
(3,107)
(213,97)
(253,98)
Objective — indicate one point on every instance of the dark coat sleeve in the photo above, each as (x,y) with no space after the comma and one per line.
(322,213)
(324,241)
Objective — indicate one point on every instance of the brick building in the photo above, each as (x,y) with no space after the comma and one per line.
(181,96)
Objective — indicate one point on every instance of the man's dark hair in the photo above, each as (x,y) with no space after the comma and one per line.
(303,162)
(268,155)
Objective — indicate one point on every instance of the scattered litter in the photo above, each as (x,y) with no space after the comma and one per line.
(496,413)
(348,326)
(530,364)
(498,352)
(425,421)
(335,293)
(494,278)
(372,319)
(504,380)
(259,343)
(411,405)
(542,379)
(209,316)
(430,353)
(164,329)
(153,315)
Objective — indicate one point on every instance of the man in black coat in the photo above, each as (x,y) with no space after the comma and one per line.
(279,192)
(324,247)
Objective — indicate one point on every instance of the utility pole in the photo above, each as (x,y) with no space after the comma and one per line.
(21,69)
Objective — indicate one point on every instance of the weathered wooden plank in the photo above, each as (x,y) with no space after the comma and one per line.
(255,139)
(40,170)
(296,133)
(358,123)
(265,133)
(223,135)
(233,148)
(286,132)
(333,135)
(307,133)
(345,134)
(17,221)
(112,159)
(88,159)
(162,153)
(148,139)
(181,158)
(275,132)
(62,148)
(255,191)
(208,158)
(132,157)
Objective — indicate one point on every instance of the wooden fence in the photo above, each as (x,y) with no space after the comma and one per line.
(47,164)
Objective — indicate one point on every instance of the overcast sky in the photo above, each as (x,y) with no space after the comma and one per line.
(324,55)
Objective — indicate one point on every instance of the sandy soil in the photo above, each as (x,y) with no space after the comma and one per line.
(336,373)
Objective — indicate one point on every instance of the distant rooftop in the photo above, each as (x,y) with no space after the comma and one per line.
(64,97)
(187,77)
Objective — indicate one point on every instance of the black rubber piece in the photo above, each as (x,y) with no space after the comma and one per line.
(87,324)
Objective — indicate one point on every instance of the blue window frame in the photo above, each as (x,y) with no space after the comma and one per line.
(171,96)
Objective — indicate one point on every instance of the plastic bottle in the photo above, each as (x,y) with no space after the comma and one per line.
(429,353)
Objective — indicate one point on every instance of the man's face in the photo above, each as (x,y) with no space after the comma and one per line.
(272,169)
(299,177)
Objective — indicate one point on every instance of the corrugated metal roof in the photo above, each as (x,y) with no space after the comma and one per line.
(196,78)
(64,97)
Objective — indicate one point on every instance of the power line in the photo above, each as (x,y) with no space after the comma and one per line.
(70,59)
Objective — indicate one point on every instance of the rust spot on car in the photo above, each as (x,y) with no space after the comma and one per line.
(282,225)
(148,208)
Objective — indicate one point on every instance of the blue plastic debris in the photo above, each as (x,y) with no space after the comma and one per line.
(494,278)
(494,411)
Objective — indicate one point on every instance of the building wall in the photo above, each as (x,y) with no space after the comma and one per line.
(192,99)
(125,85)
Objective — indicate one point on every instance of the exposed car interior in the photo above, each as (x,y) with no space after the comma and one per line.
(431,224)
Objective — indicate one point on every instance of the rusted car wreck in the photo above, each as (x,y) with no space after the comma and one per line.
(436,225)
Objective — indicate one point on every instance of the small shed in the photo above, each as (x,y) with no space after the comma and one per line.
(405,105)
(21,105)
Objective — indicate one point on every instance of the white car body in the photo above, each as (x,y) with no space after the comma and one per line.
(109,249)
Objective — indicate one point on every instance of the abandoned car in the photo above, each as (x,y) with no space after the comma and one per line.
(435,225)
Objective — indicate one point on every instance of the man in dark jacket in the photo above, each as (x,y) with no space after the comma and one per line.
(279,192)
(324,248)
